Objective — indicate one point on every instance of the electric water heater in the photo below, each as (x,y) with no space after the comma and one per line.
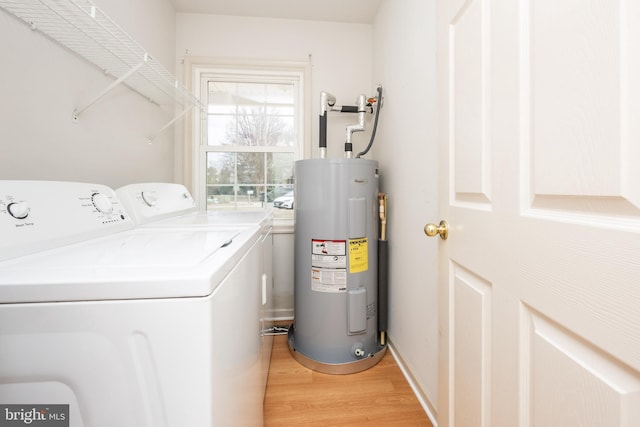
(336,251)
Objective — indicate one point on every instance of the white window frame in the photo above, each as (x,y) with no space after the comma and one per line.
(271,72)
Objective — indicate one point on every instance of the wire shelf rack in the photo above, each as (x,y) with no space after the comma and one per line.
(83,28)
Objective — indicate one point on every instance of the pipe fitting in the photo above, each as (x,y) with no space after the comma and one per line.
(358,127)
(326,100)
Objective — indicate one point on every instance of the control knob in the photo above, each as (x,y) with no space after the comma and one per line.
(19,210)
(149,198)
(102,203)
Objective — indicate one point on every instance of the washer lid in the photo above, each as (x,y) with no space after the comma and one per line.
(129,265)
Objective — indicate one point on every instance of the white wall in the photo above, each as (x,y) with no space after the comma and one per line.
(340,56)
(41,84)
(405,63)
(283,276)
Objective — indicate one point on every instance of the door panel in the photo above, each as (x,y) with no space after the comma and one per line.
(470,320)
(470,142)
(539,295)
(576,106)
(590,388)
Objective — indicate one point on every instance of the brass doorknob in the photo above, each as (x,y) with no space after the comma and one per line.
(442,229)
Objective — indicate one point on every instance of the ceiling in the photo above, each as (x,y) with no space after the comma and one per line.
(353,11)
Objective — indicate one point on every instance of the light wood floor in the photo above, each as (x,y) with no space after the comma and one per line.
(297,396)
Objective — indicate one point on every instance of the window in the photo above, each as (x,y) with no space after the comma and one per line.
(251,135)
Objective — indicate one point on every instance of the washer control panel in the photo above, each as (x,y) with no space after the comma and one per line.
(39,215)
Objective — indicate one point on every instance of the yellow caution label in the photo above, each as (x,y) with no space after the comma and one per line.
(358,255)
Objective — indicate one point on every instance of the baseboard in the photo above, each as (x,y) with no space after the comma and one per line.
(280,314)
(422,398)
(282,320)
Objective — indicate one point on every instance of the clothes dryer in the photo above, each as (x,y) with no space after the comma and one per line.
(161,206)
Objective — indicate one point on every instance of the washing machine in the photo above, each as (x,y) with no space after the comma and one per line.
(127,327)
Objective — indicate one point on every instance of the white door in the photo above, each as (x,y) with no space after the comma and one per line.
(540,156)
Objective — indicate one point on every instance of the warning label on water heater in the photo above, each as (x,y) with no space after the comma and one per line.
(329,265)
(326,280)
(329,253)
(358,255)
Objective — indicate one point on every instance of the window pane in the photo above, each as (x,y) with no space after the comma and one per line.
(220,197)
(275,191)
(258,129)
(222,97)
(250,168)
(280,96)
(280,168)
(221,130)
(251,95)
(221,168)
(288,135)
(250,126)
(249,196)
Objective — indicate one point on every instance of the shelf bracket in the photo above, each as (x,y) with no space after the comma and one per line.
(175,119)
(109,88)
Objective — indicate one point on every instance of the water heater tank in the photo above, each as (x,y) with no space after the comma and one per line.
(335,291)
